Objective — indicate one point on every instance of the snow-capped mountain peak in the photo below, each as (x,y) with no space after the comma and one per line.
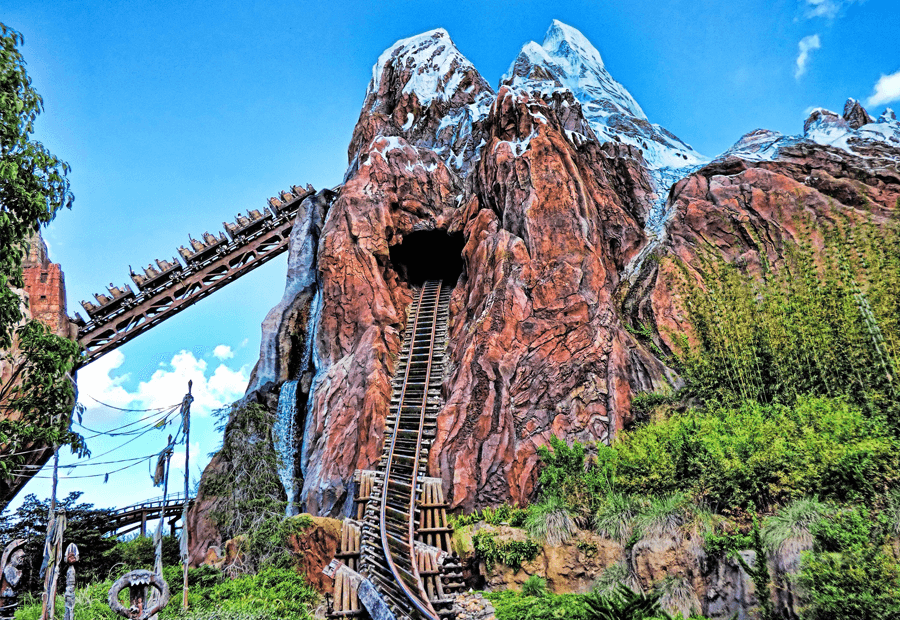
(562,40)
(438,68)
(567,60)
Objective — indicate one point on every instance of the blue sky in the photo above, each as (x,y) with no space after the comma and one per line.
(177,115)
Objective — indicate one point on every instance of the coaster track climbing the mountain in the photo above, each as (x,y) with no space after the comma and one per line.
(209,264)
(389,548)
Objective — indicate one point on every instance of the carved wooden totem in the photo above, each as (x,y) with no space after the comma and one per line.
(72,556)
(10,576)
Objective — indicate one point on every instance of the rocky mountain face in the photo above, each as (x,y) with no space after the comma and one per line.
(543,202)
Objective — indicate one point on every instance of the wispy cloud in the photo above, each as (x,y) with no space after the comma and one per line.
(828,9)
(806,46)
(887,89)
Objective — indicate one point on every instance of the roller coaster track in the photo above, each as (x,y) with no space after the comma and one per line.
(209,264)
(390,554)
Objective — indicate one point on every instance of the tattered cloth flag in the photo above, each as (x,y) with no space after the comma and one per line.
(159,474)
(55,530)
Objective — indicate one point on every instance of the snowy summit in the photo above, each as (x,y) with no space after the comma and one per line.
(567,60)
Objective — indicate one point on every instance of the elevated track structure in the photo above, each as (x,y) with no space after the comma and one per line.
(135,517)
(206,265)
(400,540)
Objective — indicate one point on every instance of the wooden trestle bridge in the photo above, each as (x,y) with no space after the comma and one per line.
(133,518)
(397,558)
(208,264)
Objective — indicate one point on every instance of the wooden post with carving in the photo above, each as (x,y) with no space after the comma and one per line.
(72,556)
(138,582)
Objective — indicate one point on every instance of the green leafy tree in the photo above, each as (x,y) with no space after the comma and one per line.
(33,183)
(37,399)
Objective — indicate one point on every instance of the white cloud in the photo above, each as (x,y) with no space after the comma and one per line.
(96,382)
(829,9)
(223,352)
(165,387)
(806,45)
(887,89)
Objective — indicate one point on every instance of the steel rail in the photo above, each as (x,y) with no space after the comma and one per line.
(420,601)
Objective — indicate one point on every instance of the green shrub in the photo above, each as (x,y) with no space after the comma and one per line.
(850,573)
(793,522)
(568,477)
(512,553)
(550,521)
(612,577)
(534,586)
(615,517)
(501,515)
(624,604)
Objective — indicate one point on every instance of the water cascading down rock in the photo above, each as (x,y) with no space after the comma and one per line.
(284,432)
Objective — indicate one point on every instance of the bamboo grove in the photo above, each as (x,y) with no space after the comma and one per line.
(824,322)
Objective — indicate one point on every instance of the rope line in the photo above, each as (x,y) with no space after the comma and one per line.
(121,409)
(83,464)
(113,431)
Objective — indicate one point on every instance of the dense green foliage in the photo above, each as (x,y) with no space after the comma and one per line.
(765,454)
(271,594)
(825,323)
(85,525)
(502,515)
(250,501)
(137,552)
(851,572)
(620,603)
(512,553)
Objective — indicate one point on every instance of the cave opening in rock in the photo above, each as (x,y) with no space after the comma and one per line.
(429,255)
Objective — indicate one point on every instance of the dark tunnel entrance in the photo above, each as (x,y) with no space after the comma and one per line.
(429,255)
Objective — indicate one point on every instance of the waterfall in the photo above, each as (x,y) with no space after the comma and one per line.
(284,432)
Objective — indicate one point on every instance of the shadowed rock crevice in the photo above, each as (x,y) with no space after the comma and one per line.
(429,255)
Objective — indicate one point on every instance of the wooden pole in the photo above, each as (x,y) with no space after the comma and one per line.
(157,561)
(55,479)
(186,413)
(53,552)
